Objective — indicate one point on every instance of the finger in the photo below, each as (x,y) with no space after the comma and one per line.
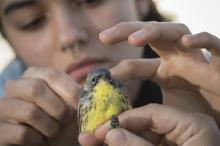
(61,83)
(150,136)
(87,139)
(158,35)
(30,114)
(204,40)
(158,31)
(141,33)
(19,135)
(120,32)
(154,117)
(135,69)
(67,136)
(123,137)
(37,91)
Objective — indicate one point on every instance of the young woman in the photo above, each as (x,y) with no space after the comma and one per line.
(60,39)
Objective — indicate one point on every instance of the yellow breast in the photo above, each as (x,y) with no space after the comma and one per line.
(106,101)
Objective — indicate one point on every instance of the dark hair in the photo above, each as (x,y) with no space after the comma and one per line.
(153,15)
(150,92)
(1,30)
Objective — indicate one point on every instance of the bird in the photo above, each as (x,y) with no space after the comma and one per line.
(101,98)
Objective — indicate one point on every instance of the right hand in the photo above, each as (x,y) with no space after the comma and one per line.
(37,107)
(157,125)
(187,79)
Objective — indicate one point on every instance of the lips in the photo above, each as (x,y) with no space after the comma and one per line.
(79,70)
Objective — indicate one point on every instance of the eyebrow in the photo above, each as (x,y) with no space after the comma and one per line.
(19,4)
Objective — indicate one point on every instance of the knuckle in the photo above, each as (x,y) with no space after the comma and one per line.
(23,135)
(153,106)
(120,25)
(51,74)
(201,119)
(151,26)
(63,112)
(207,118)
(184,27)
(205,36)
(129,64)
(8,86)
(205,122)
(47,73)
(31,113)
(126,62)
(36,88)
(52,131)
(30,69)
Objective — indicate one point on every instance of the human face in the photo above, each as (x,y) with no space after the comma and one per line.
(40,31)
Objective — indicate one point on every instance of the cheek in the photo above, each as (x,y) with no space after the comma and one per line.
(105,16)
(34,49)
(125,51)
(119,52)
(111,13)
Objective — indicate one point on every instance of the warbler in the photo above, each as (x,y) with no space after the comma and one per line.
(101,98)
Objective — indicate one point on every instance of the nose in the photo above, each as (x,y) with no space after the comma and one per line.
(70,29)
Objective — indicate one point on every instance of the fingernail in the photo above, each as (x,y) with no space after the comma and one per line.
(139,34)
(102,130)
(99,127)
(115,137)
(103,127)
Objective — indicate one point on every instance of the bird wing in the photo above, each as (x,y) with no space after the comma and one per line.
(82,94)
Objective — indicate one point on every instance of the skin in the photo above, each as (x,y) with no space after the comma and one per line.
(155,125)
(47,92)
(176,72)
(38,108)
(180,54)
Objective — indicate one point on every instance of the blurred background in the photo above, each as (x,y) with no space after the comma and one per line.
(198,15)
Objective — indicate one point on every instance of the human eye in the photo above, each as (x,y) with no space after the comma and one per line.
(34,23)
(25,15)
(90,3)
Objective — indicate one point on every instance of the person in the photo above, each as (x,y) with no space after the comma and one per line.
(57,37)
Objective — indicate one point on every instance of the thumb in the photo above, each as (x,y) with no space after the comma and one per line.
(119,136)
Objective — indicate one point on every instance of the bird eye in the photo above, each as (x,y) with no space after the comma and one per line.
(93,80)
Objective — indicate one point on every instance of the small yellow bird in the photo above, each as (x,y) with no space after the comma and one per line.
(101,98)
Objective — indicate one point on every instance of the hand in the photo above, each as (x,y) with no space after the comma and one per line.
(158,125)
(187,79)
(39,109)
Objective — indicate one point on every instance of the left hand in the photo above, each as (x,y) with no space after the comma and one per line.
(47,101)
